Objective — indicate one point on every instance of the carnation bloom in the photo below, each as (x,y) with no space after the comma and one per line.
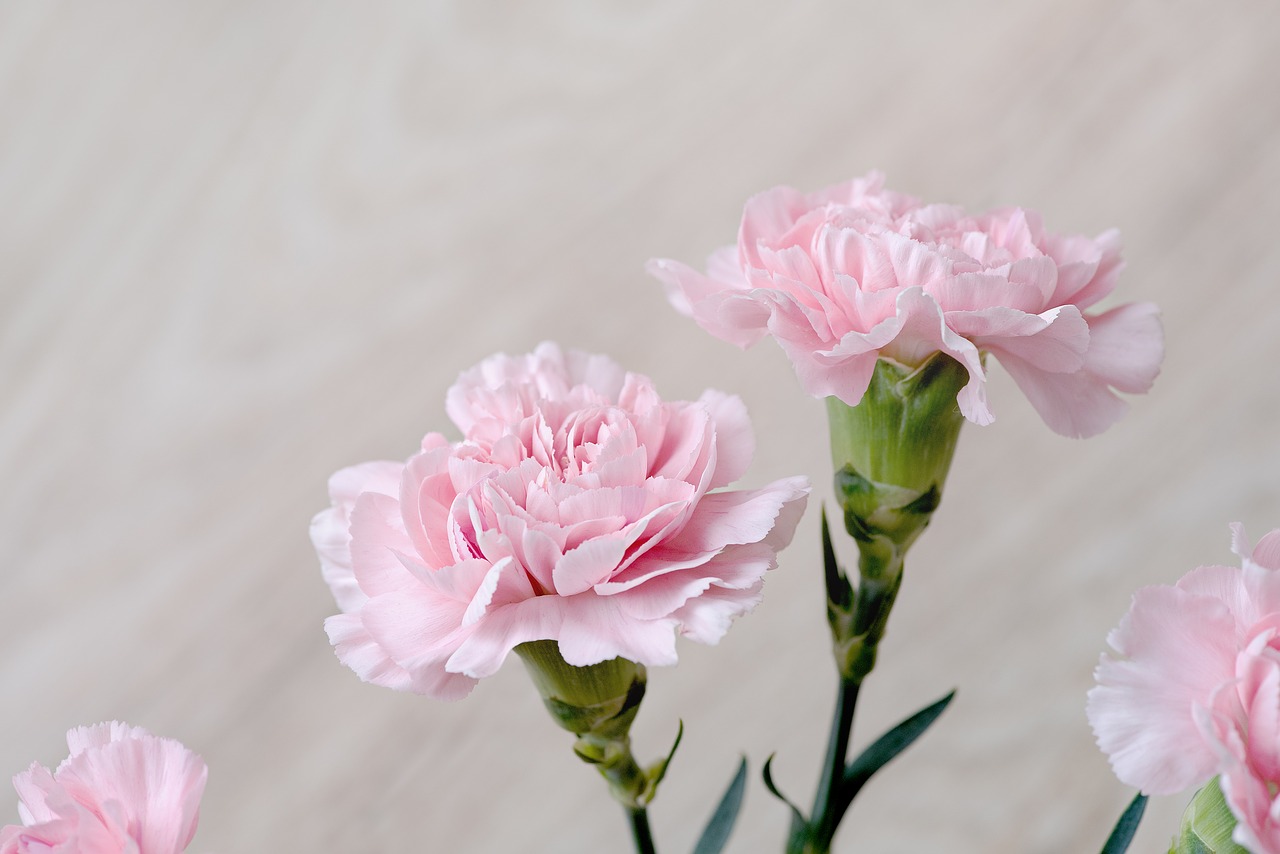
(1195,689)
(577,508)
(854,272)
(122,789)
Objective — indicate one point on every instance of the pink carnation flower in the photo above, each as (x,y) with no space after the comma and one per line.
(1195,689)
(577,508)
(122,789)
(854,272)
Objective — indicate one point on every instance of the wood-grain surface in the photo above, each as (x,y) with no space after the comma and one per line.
(245,244)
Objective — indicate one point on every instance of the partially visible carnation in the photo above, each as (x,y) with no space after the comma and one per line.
(121,790)
(855,272)
(1195,689)
(578,507)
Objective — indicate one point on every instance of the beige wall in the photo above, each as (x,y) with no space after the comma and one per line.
(245,244)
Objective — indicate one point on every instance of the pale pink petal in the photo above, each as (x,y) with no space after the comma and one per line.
(1267,553)
(706,618)
(120,791)
(1076,405)
(1227,585)
(1126,346)
(737,568)
(1264,721)
(484,650)
(797,491)
(589,564)
(1175,649)
(156,781)
(1088,268)
(726,311)
(924,332)
(1055,341)
(825,274)
(734,438)
(741,516)
(331,529)
(766,217)
(377,541)
(34,787)
(570,491)
(978,292)
(853,259)
(1249,797)
(597,628)
(426,493)
(358,651)
(793,265)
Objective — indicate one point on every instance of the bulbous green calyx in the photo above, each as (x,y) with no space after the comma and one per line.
(893,450)
(1207,825)
(891,454)
(597,704)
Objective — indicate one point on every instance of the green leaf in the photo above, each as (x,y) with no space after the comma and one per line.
(1126,827)
(839,591)
(799,824)
(658,770)
(716,833)
(885,748)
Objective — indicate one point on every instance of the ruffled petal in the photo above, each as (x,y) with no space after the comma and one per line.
(1176,649)
(157,783)
(1126,347)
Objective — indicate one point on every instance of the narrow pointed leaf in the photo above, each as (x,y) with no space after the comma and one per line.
(1126,827)
(799,824)
(883,750)
(716,833)
(839,591)
(659,769)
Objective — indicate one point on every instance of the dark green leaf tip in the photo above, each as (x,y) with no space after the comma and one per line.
(839,591)
(885,748)
(1126,827)
(716,834)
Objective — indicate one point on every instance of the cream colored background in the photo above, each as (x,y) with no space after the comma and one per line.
(245,244)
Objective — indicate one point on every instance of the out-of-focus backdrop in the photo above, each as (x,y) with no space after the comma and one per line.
(245,244)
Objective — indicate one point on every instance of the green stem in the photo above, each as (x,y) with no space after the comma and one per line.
(880,576)
(640,833)
(826,811)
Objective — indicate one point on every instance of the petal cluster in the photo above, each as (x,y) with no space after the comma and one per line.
(120,790)
(855,272)
(578,507)
(1194,688)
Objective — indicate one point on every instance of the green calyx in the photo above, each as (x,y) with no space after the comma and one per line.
(597,703)
(601,699)
(893,450)
(891,455)
(1207,825)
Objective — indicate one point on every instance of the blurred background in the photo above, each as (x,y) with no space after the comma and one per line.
(244,244)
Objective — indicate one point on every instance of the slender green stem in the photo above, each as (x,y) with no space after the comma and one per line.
(826,811)
(639,818)
(880,571)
